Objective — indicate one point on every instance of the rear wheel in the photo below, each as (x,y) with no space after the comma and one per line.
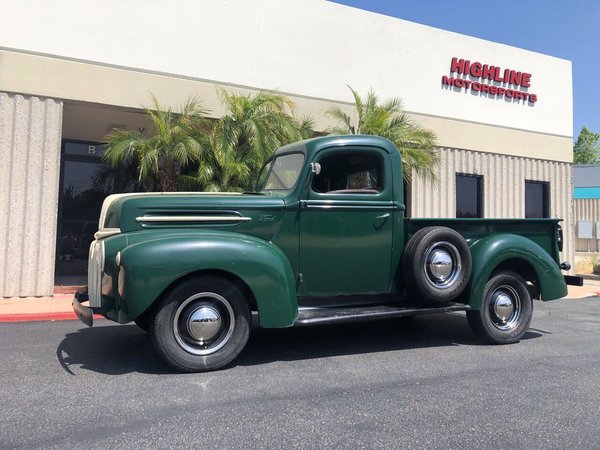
(202,324)
(506,310)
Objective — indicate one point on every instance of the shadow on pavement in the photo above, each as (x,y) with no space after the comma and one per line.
(292,344)
(120,349)
(111,350)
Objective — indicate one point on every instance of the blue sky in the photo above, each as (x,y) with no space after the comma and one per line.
(568,29)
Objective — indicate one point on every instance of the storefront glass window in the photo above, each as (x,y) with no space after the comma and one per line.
(537,199)
(86,180)
(469,196)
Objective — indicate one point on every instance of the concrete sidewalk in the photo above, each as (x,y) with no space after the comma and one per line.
(31,309)
(58,307)
(590,288)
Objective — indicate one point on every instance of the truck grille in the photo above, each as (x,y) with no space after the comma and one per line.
(95,267)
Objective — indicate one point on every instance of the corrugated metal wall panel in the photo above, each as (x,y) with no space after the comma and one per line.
(504,188)
(587,209)
(30,136)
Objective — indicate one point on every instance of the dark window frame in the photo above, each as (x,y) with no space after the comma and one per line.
(479,196)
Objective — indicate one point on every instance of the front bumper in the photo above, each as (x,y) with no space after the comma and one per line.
(85,313)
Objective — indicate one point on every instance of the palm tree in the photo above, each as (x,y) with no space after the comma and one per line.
(178,141)
(224,169)
(416,144)
(242,140)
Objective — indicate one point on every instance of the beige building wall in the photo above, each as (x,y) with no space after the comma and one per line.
(30,140)
(85,85)
(104,77)
(587,209)
(311,48)
(503,188)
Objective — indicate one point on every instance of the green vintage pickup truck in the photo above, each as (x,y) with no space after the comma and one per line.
(323,240)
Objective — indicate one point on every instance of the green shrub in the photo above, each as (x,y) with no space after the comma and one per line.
(596,267)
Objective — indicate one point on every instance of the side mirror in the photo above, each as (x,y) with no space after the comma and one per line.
(315,168)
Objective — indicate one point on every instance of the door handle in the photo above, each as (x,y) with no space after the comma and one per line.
(383,216)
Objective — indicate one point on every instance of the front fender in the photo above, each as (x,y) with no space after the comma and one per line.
(488,253)
(147,268)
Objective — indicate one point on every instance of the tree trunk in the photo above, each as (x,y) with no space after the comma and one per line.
(167,177)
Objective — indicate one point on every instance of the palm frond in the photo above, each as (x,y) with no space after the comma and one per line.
(187,183)
(121,146)
(342,117)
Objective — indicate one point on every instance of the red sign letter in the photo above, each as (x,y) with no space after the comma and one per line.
(457,65)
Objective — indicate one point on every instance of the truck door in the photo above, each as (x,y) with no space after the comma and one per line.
(346,224)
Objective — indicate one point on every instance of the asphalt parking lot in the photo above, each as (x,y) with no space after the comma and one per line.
(421,383)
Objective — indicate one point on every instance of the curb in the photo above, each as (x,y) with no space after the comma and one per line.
(592,277)
(581,297)
(41,317)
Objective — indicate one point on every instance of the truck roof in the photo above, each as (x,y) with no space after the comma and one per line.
(311,146)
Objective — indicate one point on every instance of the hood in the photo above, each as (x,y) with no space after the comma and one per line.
(255,214)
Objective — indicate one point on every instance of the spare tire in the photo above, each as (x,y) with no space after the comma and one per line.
(437,264)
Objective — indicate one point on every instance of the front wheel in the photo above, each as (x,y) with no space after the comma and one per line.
(506,310)
(202,324)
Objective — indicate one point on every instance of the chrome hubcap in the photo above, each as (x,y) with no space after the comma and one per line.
(203,323)
(442,265)
(505,308)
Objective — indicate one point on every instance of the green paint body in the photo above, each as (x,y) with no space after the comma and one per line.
(301,243)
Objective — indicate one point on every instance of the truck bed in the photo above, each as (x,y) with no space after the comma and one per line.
(544,232)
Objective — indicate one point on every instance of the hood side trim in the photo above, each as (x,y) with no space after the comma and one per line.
(151,219)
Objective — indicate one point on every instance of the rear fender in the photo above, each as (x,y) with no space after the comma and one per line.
(148,268)
(490,252)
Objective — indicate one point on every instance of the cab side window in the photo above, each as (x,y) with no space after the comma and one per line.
(350,173)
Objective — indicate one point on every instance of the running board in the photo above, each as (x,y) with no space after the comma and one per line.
(318,316)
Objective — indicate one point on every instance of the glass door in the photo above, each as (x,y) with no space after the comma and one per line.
(85,181)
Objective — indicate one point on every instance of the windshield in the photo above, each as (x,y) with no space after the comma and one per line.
(281,173)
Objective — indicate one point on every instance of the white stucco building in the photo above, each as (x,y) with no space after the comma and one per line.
(70,71)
